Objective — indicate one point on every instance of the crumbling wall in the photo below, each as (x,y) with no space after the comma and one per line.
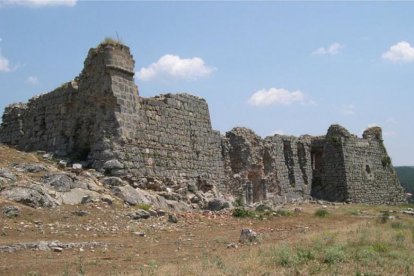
(166,143)
(355,169)
(99,117)
(276,168)
(370,176)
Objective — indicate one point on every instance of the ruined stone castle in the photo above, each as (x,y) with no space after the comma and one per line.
(167,142)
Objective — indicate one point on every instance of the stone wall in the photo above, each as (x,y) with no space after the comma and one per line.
(276,168)
(166,143)
(100,118)
(354,169)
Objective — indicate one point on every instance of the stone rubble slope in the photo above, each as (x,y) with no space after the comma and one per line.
(38,181)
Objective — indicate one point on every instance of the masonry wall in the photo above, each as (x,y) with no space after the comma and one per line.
(173,141)
(99,117)
(355,169)
(371,177)
(276,168)
(166,143)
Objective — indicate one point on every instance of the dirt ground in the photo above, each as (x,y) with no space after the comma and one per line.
(124,249)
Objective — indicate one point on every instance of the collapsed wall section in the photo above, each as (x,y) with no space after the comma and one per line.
(329,176)
(276,168)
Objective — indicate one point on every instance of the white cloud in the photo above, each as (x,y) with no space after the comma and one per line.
(348,109)
(32,80)
(276,96)
(391,120)
(172,66)
(400,52)
(4,64)
(390,133)
(40,3)
(332,49)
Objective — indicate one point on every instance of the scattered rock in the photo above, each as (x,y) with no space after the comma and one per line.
(298,210)
(77,196)
(62,164)
(232,245)
(81,213)
(113,181)
(107,199)
(30,195)
(139,234)
(113,167)
(7,174)
(217,204)
(56,249)
(139,214)
(30,168)
(58,182)
(248,235)
(56,246)
(130,195)
(11,211)
(76,167)
(172,218)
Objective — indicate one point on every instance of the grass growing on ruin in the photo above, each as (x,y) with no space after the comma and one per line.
(111,41)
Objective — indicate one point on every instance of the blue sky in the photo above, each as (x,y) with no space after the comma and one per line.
(275,67)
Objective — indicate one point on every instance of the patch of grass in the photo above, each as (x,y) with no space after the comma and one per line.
(380,247)
(321,213)
(242,213)
(143,206)
(398,225)
(284,256)
(334,254)
(111,41)
(284,213)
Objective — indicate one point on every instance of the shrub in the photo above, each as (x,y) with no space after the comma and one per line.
(321,213)
(334,254)
(242,213)
(239,202)
(284,213)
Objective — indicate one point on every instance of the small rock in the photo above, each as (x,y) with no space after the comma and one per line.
(113,165)
(139,234)
(76,167)
(232,245)
(86,199)
(298,210)
(139,214)
(31,168)
(5,173)
(217,204)
(57,249)
(80,213)
(107,199)
(172,218)
(113,181)
(160,212)
(247,235)
(11,211)
(62,164)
